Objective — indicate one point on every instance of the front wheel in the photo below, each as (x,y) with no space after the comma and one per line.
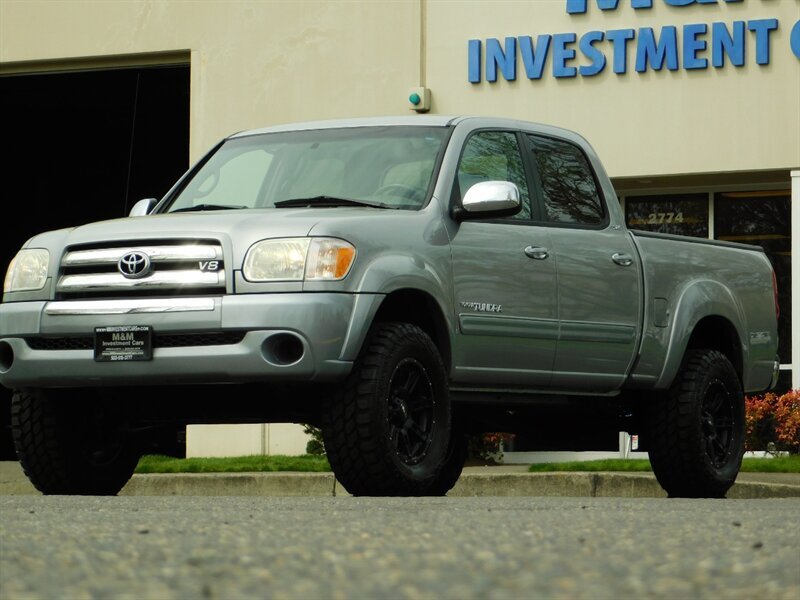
(388,432)
(71,443)
(697,429)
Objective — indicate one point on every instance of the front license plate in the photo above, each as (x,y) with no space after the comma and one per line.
(128,342)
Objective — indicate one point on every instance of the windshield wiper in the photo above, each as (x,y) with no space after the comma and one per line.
(201,207)
(327,201)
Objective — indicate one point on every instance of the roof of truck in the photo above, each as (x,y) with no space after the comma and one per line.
(407,120)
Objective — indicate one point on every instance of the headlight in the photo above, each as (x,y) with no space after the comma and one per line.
(298,259)
(27,271)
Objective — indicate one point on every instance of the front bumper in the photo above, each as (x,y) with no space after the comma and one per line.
(321,327)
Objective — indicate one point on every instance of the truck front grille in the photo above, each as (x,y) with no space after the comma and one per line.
(160,340)
(153,269)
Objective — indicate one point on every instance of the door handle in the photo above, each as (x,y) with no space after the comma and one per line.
(623,260)
(536,252)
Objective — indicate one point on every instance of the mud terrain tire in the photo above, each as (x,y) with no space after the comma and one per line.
(387,433)
(697,429)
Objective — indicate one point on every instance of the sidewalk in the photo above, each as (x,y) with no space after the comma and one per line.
(501,480)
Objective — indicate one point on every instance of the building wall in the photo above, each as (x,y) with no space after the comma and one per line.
(285,439)
(258,63)
(253,63)
(651,123)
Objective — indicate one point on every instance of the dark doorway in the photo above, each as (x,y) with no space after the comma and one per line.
(85,146)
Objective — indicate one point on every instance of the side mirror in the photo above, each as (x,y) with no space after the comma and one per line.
(489,199)
(142,207)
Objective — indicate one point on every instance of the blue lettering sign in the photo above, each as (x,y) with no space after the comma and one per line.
(648,51)
(762,27)
(620,37)
(561,54)
(474,61)
(534,59)
(577,7)
(589,51)
(692,45)
(794,40)
(688,2)
(505,59)
(700,44)
(722,43)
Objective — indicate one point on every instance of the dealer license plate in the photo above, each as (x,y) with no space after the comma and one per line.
(123,343)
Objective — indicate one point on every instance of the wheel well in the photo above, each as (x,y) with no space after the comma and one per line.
(420,309)
(717,333)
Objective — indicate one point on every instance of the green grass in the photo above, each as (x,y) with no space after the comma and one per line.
(779,464)
(608,464)
(319,464)
(238,464)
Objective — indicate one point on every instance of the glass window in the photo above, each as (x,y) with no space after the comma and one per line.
(494,156)
(679,214)
(568,184)
(233,181)
(390,166)
(764,219)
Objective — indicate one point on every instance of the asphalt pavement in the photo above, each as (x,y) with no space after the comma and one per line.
(494,548)
(495,480)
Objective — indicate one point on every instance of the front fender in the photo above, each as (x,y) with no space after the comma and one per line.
(385,275)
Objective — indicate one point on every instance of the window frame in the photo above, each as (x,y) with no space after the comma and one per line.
(535,204)
(539,187)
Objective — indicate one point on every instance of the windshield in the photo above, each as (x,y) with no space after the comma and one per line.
(387,167)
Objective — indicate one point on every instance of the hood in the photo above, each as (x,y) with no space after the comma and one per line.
(237,230)
(232,224)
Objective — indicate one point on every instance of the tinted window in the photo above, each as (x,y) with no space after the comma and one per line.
(494,156)
(680,214)
(568,185)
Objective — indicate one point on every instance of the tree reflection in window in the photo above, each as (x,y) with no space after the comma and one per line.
(494,156)
(568,185)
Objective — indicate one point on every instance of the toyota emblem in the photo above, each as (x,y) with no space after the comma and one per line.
(134,265)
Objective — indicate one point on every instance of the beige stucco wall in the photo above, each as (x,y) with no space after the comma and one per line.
(653,123)
(262,62)
(254,63)
(272,439)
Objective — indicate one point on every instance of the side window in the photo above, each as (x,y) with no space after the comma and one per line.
(494,156)
(568,185)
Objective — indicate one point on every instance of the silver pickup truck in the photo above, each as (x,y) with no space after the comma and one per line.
(401,283)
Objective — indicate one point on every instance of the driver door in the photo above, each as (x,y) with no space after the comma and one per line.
(504,278)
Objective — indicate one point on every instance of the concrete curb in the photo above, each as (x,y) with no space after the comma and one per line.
(609,485)
(491,483)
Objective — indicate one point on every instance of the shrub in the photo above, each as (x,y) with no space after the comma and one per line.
(488,446)
(482,446)
(772,422)
(315,445)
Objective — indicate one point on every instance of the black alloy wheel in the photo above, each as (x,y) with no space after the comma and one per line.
(716,417)
(411,411)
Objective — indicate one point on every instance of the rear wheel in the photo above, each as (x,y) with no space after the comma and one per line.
(697,429)
(71,445)
(387,433)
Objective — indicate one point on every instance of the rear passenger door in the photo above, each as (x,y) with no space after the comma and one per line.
(599,289)
(503,277)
